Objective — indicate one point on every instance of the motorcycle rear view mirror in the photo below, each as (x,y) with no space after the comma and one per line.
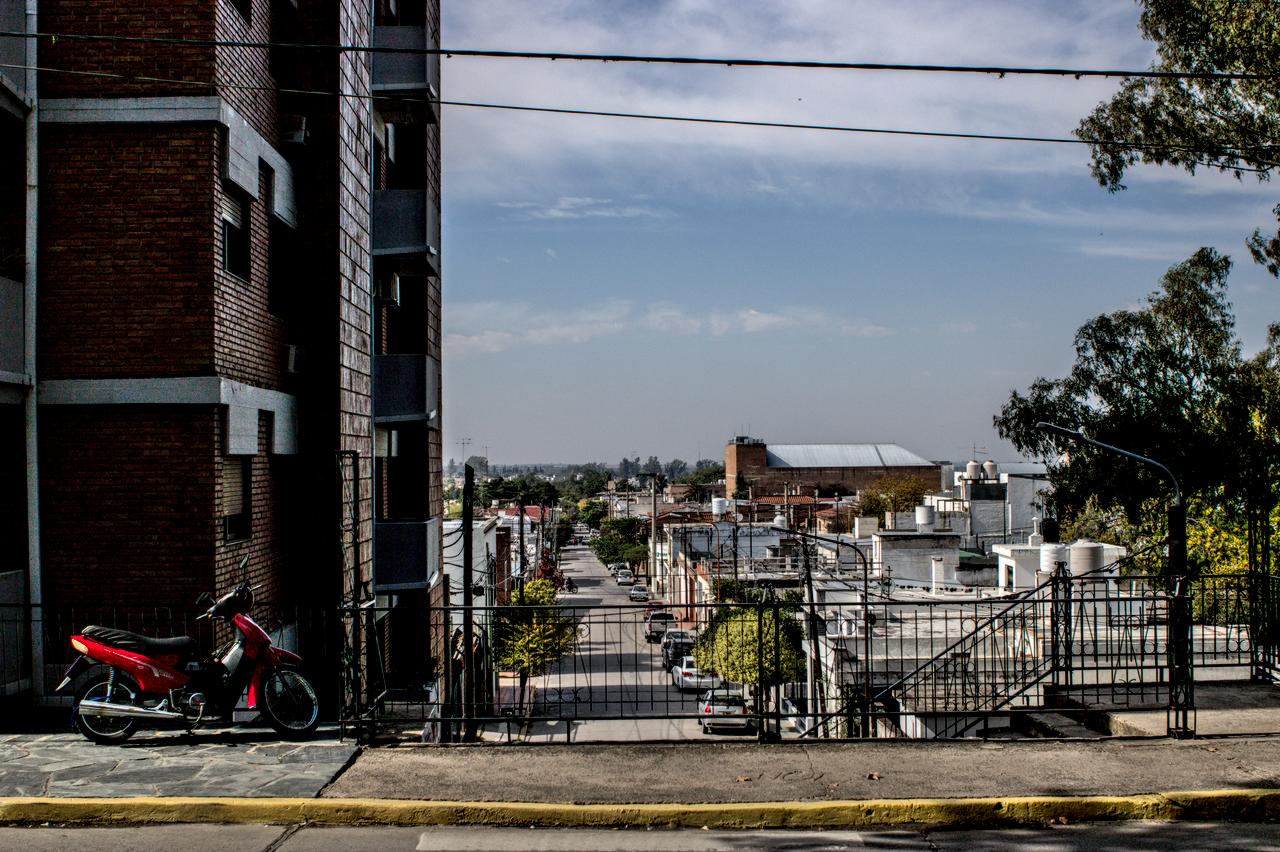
(243,567)
(205,599)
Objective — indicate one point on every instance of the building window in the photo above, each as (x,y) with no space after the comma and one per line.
(245,8)
(235,238)
(237,498)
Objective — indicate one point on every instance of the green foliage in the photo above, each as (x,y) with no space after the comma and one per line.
(1148,380)
(564,532)
(1167,381)
(633,530)
(708,474)
(1229,126)
(610,548)
(592,512)
(894,493)
(731,646)
(622,540)
(532,633)
(527,487)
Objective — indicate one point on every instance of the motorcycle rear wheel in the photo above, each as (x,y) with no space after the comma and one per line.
(107,730)
(289,704)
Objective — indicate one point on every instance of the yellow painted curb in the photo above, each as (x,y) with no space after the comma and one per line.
(1240,805)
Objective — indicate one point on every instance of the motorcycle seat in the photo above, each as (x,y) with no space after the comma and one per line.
(182,646)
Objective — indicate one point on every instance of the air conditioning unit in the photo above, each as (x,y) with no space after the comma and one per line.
(293,129)
(389,290)
(292,358)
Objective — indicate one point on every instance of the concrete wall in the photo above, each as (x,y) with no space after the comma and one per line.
(908,557)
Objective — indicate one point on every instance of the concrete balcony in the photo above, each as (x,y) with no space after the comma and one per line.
(404,389)
(408,84)
(406,226)
(406,555)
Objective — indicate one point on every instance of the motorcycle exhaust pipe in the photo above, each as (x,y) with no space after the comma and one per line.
(91,707)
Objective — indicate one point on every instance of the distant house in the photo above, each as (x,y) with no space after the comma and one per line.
(751,465)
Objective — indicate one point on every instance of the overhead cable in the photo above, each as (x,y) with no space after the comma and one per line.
(783,125)
(743,62)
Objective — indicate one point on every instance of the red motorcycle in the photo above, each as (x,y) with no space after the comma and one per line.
(168,682)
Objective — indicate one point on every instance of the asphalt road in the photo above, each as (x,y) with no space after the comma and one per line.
(1136,836)
(614,688)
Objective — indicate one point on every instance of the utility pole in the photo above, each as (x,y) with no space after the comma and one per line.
(522,553)
(468,616)
(653,528)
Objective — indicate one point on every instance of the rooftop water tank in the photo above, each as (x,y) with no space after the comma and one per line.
(972,470)
(1051,555)
(990,470)
(780,520)
(924,519)
(719,505)
(1086,556)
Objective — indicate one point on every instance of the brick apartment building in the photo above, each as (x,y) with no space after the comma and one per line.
(220,313)
(762,470)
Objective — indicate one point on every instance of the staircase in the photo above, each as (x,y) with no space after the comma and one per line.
(1003,662)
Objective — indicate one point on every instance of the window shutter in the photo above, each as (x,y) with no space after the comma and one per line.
(232,487)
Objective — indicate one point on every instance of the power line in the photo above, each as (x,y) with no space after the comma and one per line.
(744,62)
(783,125)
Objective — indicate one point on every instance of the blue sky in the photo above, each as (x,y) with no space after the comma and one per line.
(617,287)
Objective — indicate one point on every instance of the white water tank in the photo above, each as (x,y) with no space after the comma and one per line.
(719,506)
(972,470)
(990,470)
(1051,555)
(780,520)
(924,519)
(1086,556)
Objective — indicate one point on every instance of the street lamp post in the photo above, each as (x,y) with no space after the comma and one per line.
(866,611)
(1180,722)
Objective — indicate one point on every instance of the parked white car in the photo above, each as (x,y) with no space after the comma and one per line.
(724,708)
(686,675)
(625,577)
(639,593)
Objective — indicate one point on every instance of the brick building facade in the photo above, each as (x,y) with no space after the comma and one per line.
(234,283)
(754,469)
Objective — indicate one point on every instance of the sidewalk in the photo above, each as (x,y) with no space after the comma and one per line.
(238,778)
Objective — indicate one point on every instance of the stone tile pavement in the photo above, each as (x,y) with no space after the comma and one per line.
(213,762)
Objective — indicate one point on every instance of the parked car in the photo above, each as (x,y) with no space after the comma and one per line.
(657,624)
(686,675)
(639,593)
(676,644)
(624,577)
(724,708)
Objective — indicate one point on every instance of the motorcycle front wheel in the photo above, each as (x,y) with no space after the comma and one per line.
(107,730)
(289,704)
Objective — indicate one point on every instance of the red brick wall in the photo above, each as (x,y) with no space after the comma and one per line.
(248,338)
(265,547)
(355,145)
(244,72)
(126,250)
(128,504)
(184,19)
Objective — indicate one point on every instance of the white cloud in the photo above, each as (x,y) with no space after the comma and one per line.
(551,253)
(668,318)
(865,329)
(489,327)
(751,320)
(962,327)
(492,151)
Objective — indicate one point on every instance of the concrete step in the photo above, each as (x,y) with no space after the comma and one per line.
(1052,724)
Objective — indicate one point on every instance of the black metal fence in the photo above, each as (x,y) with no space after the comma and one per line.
(840,665)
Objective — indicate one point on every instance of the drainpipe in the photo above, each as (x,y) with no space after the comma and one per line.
(31,237)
